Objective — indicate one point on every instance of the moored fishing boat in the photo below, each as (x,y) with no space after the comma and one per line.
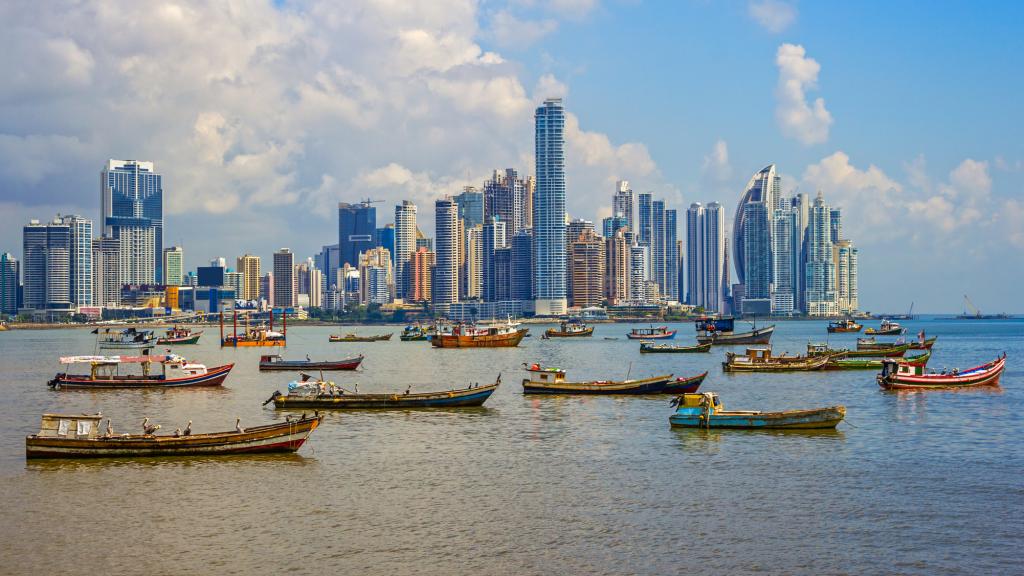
(652,348)
(723,331)
(761,360)
(705,410)
(355,338)
(258,336)
(900,376)
(894,351)
(504,335)
(922,342)
(327,395)
(839,363)
(78,436)
(416,333)
(652,333)
(887,328)
(275,362)
(685,384)
(554,382)
(847,325)
(104,372)
(178,336)
(124,338)
(570,329)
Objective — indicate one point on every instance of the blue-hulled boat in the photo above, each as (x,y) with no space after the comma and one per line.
(325,395)
(705,410)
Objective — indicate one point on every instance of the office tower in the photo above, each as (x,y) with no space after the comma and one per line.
(267,288)
(696,268)
(446,277)
(173,266)
(421,265)
(659,252)
(522,265)
(820,269)
(835,224)
(329,260)
(845,256)
(623,204)
(106,271)
(385,238)
(670,286)
(210,276)
(784,258)
(494,239)
(638,278)
(644,219)
(303,277)
(763,187)
(405,243)
(9,273)
(800,205)
(502,268)
(588,269)
(376,277)
(471,206)
(80,259)
(506,197)
(284,279)
(549,245)
(617,268)
(612,224)
(757,258)
(357,230)
(47,267)
(472,262)
(715,259)
(311,280)
(132,210)
(249,266)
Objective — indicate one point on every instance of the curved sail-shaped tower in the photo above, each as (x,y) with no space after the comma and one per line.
(763,187)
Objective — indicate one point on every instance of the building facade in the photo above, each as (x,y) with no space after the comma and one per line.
(357,230)
(405,244)
(763,188)
(421,268)
(506,198)
(617,269)
(522,265)
(174,265)
(623,205)
(132,210)
(285,289)
(10,273)
(446,276)
(820,270)
(471,205)
(47,266)
(249,266)
(550,262)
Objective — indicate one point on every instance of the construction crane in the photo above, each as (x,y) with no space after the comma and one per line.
(368,201)
(970,306)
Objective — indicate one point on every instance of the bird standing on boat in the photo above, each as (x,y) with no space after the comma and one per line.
(188,429)
(110,428)
(177,432)
(238,425)
(147,429)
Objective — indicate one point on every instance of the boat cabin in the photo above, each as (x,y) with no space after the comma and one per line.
(652,331)
(74,426)
(894,366)
(712,325)
(819,349)
(697,401)
(269,358)
(550,377)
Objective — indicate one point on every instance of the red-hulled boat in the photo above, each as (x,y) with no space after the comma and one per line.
(685,384)
(178,335)
(104,372)
(652,333)
(903,376)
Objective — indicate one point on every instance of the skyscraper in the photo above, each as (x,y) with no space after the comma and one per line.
(638,272)
(132,203)
(645,220)
(845,256)
(471,206)
(706,257)
(376,277)
(784,258)
(670,287)
(472,277)
(421,266)
(446,275)
(249,266)
(47,269)
(384,237)
(623,204)
(9,273)
(549,210)
(522,265)
(617,268)
(612,224)
(835,219)
(494,239)
(405,244)
(106,271)
(588,269)
(763,187)
(800,205)
(284,279)
(80,258)
(357,228)
(573,229)
(757,258)
(174,265)
(506,197)
(820,269)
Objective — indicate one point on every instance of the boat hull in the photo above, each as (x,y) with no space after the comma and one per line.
(986,375)
(833,330)
(213,377)
(797,366)
(191,339)
(671,334)
(509,340)
(451,399)
(757,336)
(231,343)
(685,385)
(700,348)
(552,333)
(817,418)
(281,437)
(655,385)
(292,365)
(889,332)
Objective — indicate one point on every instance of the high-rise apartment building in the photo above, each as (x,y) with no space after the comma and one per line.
(573,229)
(670,287)
(267,288)
(494,239)
(405,244)
(357,230)
(10,270)
(132,211)
(80,259)
(588,269)
(47,267)
(612,224)
(385,238)
(285,288)
(757,258)
(506,197)
(845,257)
(617,269)
(784,260)
(472,275)
(820,270)
(706,256)
(549,238)
(471,205)
(106,271)
(421,267)
(623,205)
(835,220)
(800,206)
(639,257)
(522,265)
(446,270)
(249,266)
(763,188)
(174,265)
(645,219)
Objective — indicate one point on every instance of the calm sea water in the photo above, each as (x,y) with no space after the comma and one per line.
(925,483)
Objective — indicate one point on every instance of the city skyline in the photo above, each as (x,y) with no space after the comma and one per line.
(916,176)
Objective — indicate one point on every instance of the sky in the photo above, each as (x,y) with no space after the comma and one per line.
(263,115)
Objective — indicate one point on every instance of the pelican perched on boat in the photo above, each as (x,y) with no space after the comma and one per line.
(238,425)
(177,432)
(147,429)
(188,429)
(110,428)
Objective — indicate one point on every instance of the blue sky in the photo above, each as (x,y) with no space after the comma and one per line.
(263,115)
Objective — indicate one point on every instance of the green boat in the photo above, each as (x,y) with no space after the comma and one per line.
(824,350)
(873,363)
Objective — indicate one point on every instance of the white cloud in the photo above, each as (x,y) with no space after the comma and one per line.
(773,15)
(869,198)
(806,122)
(511,32)
(716,164)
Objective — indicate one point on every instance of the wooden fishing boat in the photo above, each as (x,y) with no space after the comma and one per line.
(900,376)
(326,395)
(652,333)
(722,331)
(685,384)
(652,348)
(894,351)
(104,372)
(761,360)
(259,336)
(78,436)
(124,338)
(275,362)
(705,410)
(887,328)
(504,335)
(923,343)
(848,325)
(179,336)
(839,363)
(571,329)
(354,338)
(417,333)
(554,382)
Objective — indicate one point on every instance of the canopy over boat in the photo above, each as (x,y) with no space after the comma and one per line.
(120,359)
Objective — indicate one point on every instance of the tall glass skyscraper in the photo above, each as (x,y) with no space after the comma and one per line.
(671,287)
(820,269)
(80,259)
(471,206)
(9,272)
(757,258)
(505,196)
(784,261)
(405,244)
(645,220)
(132,200)
(550,262)
(47,273)
(763,187)
(446,268)
(522,265)
(357,230)
(494,239)
(623,204)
